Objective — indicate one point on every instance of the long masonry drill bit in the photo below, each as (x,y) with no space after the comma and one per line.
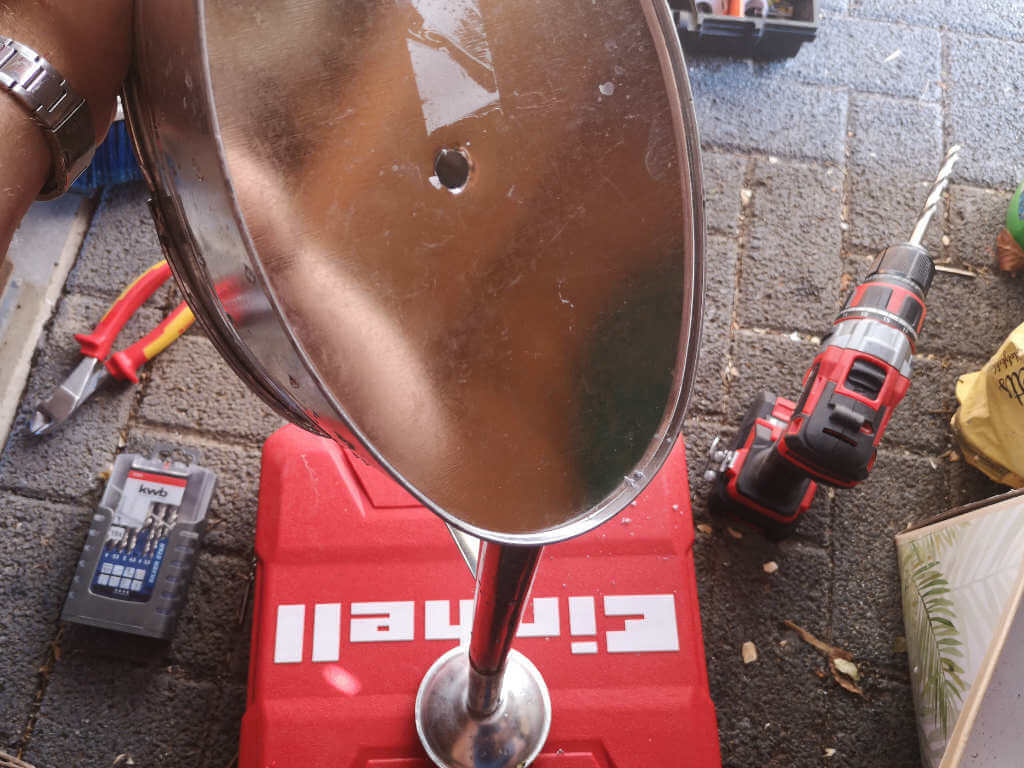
(136,531)
(147,527)
(932,203)
(159,510)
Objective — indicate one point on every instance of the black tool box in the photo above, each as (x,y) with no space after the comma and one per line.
(768,30)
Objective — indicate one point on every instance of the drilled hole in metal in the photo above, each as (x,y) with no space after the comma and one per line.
(452,166)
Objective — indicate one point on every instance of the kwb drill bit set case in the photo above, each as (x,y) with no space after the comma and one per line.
(138,558)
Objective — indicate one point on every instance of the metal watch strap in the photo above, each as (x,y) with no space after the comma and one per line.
(53,104)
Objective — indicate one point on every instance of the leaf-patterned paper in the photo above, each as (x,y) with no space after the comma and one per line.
(957,578)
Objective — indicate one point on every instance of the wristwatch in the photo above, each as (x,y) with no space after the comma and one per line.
(55,107)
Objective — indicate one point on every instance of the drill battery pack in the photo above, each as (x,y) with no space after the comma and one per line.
(137,561)
(774,505)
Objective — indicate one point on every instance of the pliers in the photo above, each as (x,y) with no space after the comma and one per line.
(95,367)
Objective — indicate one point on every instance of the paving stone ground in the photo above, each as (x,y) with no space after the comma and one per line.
(811,165)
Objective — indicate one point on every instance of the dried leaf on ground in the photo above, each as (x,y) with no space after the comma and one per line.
(734,533)
(704,528)
(770,567)
(833,654)
(842,679)
(821,645)
(1009,254)
(848,668)
(10,761)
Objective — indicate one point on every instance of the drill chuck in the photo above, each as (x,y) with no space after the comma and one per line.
(907,262)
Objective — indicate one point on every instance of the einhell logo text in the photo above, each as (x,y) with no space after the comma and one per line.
(644,624)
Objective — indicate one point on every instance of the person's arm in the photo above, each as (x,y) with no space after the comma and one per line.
(24,164)
(89,43)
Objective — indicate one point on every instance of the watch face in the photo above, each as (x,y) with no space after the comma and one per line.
(477,223)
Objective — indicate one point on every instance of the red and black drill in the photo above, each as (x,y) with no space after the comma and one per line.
(769,473)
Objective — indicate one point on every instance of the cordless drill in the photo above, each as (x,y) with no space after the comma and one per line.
(769,474)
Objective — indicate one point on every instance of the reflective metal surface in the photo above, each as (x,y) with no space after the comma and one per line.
(504,575)
(511,736)
(75,389)
(463,235)
(469,547)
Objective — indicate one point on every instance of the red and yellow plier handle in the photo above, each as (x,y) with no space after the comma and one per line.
(124,365)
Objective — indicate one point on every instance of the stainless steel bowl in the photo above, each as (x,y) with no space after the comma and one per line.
(463,236)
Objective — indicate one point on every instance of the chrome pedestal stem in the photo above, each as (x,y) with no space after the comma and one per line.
(504,576)
(488,705)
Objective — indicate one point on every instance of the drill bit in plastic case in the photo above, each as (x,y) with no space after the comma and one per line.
(142,545)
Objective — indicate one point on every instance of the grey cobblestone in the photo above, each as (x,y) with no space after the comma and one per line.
(723,181)
(225,724)
(698,433)
(921,421)
(873,729)
(97,709)
(121,243)
(790,272)
(766,361)
(975,218)
(867,617)
(33,590)
(871,56)
(731,99)
(834,6)
(193,388)
(713,364)
(750,606)
(895,151)
(983,17)
(67,461)
(970,317)
(211,628)
(984,92)
(966,484)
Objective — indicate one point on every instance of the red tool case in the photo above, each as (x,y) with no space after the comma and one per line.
(360,589)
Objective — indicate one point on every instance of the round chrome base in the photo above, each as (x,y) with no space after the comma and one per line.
(454,738)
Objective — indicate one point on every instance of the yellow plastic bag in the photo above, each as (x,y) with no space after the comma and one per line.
(989,424)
